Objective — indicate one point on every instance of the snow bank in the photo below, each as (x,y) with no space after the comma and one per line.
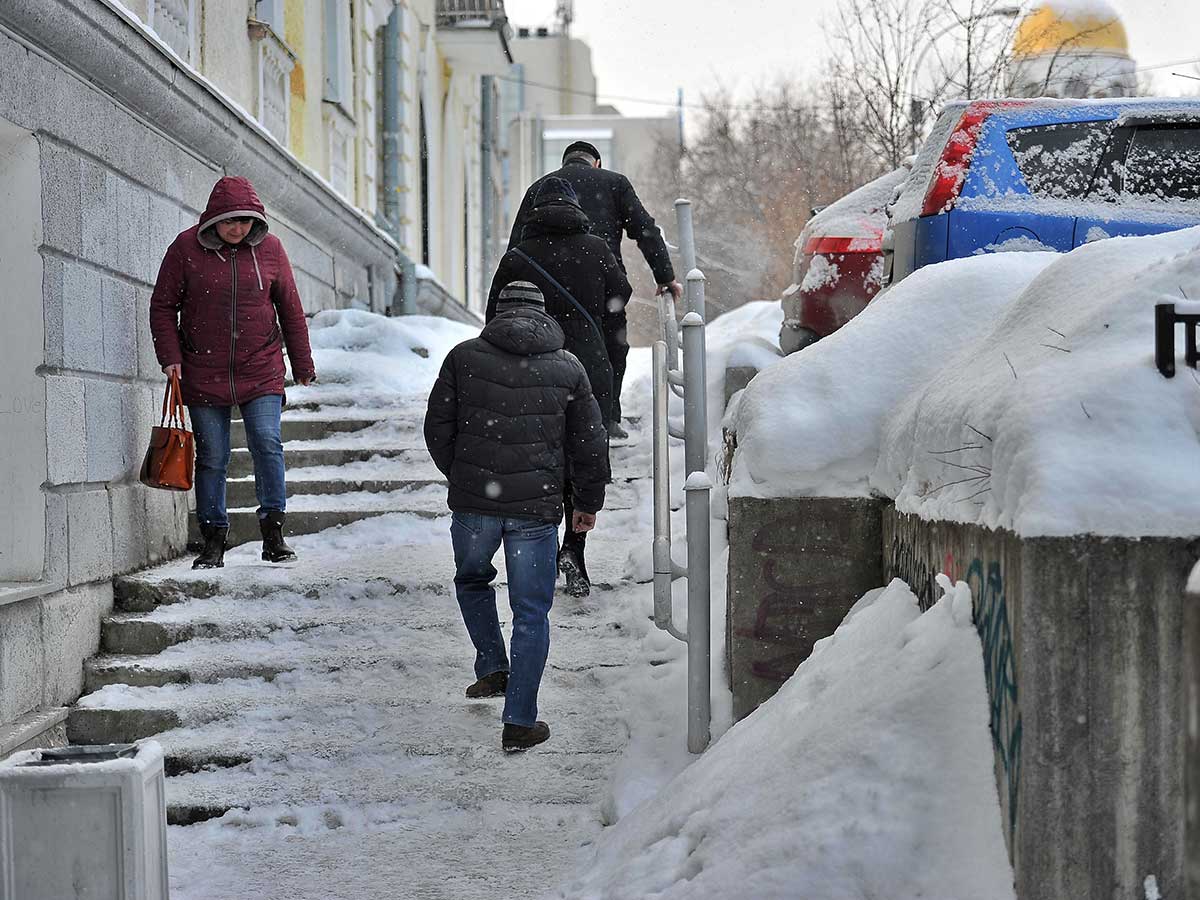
(812,424)
(1057,422)
(368,360)
(868,775)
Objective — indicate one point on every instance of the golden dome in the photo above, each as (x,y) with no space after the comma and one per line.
(1071,26)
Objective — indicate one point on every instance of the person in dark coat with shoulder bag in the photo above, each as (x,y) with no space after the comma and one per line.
(511,413)
(224,306)
(585,290)
(613,207)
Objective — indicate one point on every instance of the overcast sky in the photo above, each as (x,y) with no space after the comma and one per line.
(648,48)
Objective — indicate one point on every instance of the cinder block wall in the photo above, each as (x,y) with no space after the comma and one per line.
(128,149)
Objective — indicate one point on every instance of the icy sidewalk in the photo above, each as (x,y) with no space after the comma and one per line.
(318,740)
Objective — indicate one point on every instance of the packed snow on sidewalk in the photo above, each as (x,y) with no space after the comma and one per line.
(868,775)
(1016,391)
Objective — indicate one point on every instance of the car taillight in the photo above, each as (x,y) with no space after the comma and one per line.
(951,170)
(829,246)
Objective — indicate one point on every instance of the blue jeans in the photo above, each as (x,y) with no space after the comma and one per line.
(210,424)
(530,553)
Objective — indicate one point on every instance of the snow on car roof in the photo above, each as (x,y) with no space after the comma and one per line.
(1021,111)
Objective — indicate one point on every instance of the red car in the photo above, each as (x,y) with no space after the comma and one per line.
(839,263)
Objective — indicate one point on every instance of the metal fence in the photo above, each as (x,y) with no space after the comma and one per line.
(689,382)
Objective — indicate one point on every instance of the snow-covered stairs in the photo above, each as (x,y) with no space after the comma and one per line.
(317,739)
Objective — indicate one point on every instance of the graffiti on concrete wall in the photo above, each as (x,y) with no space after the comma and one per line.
(917,563)
(1000,671)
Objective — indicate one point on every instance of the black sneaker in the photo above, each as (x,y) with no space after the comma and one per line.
(573,569)
(522,737)
(616,432)
(493,685)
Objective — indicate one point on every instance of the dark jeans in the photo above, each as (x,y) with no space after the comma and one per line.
(618,355)
(530,550)
(211,427)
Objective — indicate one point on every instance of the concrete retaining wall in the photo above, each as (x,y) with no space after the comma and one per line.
(1084,655)
(127,147)
(795,569)
(1191,660)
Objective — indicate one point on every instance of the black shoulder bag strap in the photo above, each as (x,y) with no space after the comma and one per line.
(562,290)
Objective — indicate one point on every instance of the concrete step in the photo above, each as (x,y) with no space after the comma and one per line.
(241,464)
(302,429)
(244,528)
(343,692)
(370,776)
(239,492)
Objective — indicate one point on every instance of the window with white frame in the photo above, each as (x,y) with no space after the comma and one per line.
(339,72)
(174,22)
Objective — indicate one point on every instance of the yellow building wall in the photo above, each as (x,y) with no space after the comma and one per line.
(295,21)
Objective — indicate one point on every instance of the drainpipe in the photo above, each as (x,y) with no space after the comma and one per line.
(486,206)
(394,187)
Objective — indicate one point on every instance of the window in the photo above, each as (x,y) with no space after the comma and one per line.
(339,73)
(173,21)
(1059,161)
(1163,163)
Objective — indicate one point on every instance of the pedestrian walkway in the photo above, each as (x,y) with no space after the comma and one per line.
(317,738)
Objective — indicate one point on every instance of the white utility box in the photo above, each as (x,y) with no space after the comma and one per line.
(84,823)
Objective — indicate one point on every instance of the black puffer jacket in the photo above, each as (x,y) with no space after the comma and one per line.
(511,416)
(557,239)
(613,206)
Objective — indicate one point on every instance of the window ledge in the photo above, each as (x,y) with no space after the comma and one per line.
(261,31)
(16,591)
(336,108)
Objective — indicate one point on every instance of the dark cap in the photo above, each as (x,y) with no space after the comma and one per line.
(582,147)
(519,293)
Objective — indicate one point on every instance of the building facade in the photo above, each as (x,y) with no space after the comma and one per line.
(116,118)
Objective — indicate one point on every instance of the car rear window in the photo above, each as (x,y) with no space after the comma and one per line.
(1163,163)
(1059,161)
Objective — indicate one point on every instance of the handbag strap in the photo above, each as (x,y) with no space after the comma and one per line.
(173,401)
(562,290)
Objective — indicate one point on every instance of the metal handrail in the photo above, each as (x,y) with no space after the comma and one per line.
(692,379)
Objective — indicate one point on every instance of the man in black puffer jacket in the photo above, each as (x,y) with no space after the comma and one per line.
(562,258)
(510,418)
(613,207)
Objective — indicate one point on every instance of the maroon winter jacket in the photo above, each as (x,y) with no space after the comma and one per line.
(225,311)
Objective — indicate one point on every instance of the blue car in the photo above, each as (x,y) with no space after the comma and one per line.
(1045,174)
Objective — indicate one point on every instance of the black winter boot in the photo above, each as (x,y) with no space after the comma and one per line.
(522,737)
(213,554)
(573,568)
(616,432)
(274,549)
(494,685)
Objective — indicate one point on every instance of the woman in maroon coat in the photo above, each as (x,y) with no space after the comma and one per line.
(224,306)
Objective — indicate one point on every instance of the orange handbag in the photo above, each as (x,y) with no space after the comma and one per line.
(171,458)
